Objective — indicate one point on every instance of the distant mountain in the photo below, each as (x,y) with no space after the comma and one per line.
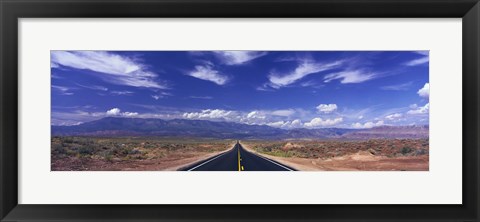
(112,126)
(398,132)
(322,133)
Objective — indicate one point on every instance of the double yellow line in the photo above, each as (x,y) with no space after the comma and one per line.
(240,167)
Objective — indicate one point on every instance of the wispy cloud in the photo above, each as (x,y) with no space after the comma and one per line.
(304,69)
(79,116)
(283,112)
(54,65)
(207,73)
(121,93)
(62,90)
(116,69)
(161,95)
(238,57)
(312,84)
(265,87)
(201,97)
(352,76)
(93,87)
(398,87)
(423,60)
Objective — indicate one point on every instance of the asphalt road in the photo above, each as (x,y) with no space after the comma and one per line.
(238,159)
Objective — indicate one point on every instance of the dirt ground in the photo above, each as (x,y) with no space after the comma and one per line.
(360,161)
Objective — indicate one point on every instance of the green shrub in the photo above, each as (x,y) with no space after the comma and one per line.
(67,140)
(85,150)
(58,149)
(406,150)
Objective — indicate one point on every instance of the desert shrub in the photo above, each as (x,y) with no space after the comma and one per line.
(58,149)
(405,150)
(421,152)
(126,150)
(67,140)
(85,150)
(134,151)
(109,157)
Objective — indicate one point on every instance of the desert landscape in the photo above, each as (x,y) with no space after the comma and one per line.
(130,153)
(240,110)
(328,155)
(134,144)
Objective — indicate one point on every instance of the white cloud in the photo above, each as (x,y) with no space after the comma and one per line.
(296,123)
(398,87)
(211,114)
(393,116)
(420,110)
(424,59)
(286,124)
(283,112)
(117,69)
(413,106)
(304,69)
(129,114)
(425,91)
(255,115)
(209,74)
(113,112)
(345,77)
(319,122)
(278,124)
(367,125)
(326,108)
(238,57)
(117,112)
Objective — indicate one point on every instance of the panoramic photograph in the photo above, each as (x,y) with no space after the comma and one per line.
(239,110)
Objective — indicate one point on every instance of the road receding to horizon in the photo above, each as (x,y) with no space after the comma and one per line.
(237,159)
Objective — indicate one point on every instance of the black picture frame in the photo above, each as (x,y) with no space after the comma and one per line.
(12,10)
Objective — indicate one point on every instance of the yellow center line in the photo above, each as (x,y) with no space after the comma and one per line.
(239,167)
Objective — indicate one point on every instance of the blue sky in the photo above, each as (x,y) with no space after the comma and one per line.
(284,89)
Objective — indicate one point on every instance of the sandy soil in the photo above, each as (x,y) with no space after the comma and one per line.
(360,161)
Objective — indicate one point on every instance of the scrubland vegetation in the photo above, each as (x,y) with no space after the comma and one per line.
(335,155)
(329,148)
(87,153)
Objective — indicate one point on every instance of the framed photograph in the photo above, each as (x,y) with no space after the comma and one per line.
(253,110)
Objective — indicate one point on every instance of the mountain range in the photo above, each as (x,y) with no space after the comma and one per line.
(113,126)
